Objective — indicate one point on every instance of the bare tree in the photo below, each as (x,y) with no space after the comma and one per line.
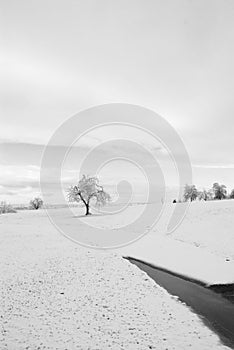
(87,190)
(36,203)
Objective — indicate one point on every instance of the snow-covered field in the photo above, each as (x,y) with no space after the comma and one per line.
(201,248)
(58,295)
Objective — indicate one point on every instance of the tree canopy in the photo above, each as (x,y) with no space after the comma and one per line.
(36,203)
(220,191)
(190,192)
(88,189)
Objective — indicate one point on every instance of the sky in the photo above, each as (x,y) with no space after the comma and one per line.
(60,57)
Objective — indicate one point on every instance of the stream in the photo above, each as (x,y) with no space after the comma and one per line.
(215,311)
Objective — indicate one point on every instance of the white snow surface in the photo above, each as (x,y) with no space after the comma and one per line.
(201,248)
(58,295)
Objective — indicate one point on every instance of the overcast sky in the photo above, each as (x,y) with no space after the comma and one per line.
(172,56)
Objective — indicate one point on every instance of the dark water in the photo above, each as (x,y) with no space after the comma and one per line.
(214,310)
(226,290)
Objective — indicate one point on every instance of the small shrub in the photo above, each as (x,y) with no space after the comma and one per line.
(6,208)
(205,195)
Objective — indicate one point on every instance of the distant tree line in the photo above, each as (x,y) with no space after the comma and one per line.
(35,204)
(217,192)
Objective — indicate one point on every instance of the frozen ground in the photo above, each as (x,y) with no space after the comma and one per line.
(58,295)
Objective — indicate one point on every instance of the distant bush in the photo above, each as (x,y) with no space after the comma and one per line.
(6,208)
(36,203)
(205,195)
(232,194)
(220,191)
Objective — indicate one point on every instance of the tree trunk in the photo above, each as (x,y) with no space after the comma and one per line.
(87,209)
(86,204)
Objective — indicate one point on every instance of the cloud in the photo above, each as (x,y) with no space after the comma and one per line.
(18,194)
(14,175)
(17,191)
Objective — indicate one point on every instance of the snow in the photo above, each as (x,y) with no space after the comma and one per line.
(58,295)
(201,248)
